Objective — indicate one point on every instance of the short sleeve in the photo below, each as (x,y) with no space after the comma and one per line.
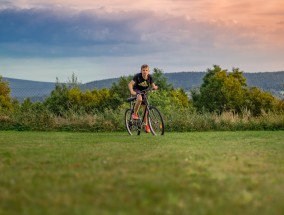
(151,81)
(135,78)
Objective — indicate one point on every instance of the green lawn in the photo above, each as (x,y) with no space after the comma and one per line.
(113,173)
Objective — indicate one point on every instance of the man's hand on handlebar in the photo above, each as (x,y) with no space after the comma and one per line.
(155,87)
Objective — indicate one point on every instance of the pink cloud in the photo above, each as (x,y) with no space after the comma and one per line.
(172,34)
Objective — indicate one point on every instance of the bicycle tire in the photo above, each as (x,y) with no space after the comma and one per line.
(128,121)
(156,121)
(131,125)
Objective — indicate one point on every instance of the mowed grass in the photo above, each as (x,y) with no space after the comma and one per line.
(113,173)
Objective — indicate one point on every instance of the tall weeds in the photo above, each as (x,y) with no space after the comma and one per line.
(180,120)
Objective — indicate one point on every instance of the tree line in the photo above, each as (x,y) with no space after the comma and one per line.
(222,91)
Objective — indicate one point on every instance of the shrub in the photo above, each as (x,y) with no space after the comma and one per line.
(5,98)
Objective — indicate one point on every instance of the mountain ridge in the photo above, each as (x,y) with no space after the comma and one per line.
(268,81)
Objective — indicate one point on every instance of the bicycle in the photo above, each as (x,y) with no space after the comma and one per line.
(154,117)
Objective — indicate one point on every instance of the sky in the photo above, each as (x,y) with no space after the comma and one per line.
(97,39)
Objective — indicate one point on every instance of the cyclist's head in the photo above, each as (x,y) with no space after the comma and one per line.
(144,66)
(145,70)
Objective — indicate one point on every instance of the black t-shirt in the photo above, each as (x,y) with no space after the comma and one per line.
(141,83)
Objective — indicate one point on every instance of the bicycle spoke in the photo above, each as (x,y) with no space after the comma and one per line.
(130,124)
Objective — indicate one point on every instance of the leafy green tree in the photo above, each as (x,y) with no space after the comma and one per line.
(161,80)
(5,98)
(57,102)
(162,100)
(260,101)
(119,90)
(227,91)
(221,91)
(280,106)
(179,98)
(234,90)
(209,97)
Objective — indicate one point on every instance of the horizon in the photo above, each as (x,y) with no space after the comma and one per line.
(5,77)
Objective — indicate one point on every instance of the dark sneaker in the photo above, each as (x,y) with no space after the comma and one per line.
(147,129)
(135,116)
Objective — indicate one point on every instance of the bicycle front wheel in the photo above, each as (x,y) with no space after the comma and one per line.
(129,123)
(156,121)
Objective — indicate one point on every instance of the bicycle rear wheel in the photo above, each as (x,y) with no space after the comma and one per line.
(156,121)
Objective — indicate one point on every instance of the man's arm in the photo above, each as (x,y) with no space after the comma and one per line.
(154,86)
(130,86)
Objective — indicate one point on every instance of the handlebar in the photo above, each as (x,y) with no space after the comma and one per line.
(145,91)
(130,99)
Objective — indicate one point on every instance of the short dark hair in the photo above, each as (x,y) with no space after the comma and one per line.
(144,66)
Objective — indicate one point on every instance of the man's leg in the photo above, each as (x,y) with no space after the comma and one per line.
(147,128)
(137,105)
(146,115)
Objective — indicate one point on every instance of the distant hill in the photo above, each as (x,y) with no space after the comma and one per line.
(185,80)
(268,81)
(189,80)
(106,83)
(36,90)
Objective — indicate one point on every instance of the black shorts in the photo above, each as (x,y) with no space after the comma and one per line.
(143,95)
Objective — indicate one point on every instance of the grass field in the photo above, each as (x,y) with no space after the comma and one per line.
(113,173)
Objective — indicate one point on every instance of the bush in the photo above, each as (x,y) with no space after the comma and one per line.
(5,98)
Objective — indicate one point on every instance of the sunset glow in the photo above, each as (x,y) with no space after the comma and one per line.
(105,39)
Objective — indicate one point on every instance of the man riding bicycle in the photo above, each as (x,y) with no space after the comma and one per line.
(141,81)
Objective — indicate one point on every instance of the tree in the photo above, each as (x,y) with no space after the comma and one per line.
(234,91)
(227,91)
(5,98)
(260,101)
(73,82)
(179,98)
(161,80)
(121,87)
(57,102)
(119,91)
(221,91)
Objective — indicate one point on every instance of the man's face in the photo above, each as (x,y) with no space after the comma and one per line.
(145,71)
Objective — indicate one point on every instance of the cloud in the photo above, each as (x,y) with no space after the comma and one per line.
(61,30)
(59,27)
(41,40)
(65,32)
